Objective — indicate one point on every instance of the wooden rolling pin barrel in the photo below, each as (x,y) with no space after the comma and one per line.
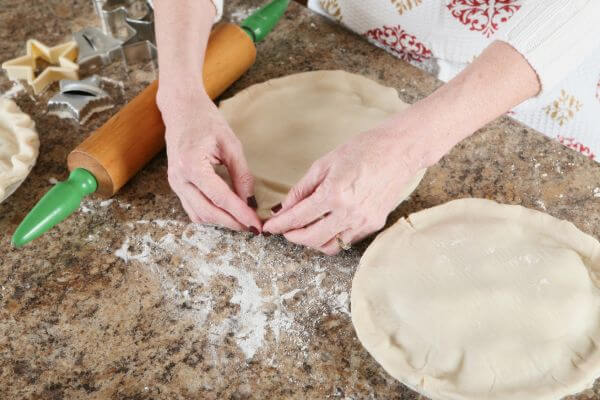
(122,146)
(113,154)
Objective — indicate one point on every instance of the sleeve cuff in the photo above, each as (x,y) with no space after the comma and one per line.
(219,7)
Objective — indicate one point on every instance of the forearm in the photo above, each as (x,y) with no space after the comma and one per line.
(182,31)
(498,80)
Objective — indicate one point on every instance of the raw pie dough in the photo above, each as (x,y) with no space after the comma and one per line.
(19,146)
(288,123)
(477,300)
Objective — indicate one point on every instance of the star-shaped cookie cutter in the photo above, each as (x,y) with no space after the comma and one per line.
(132,22)
(80,99)
(61,59)
(96,48)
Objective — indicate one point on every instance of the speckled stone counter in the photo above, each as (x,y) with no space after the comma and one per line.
(127,300)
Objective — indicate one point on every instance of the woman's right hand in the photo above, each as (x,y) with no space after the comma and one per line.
(198,138)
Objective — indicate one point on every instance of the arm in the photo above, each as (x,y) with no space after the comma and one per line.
(356,186)
(498,80)
(197,136)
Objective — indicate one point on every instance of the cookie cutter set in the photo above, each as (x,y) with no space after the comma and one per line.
(127,33)
(127,30)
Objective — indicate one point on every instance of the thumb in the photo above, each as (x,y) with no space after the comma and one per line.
(305,186)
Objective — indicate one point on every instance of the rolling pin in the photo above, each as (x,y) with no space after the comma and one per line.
(114,153)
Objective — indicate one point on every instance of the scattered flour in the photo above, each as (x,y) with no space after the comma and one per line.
(596,192)
(261,289)
(241,14)
(114,82)
(106,203)
(16,88)
(541,204)
(94,205)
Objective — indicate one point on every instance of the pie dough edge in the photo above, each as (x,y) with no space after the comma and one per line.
(584,244)
(22,127)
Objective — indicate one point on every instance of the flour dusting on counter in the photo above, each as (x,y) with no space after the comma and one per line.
(262,306)
(16,88)
(241,14)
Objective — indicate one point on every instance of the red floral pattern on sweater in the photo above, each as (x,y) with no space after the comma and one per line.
(572,143)
(483,16)
(401,43)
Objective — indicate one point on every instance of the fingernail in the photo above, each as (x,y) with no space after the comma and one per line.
(253,230)
(266,234)
(276,208)
(251,201)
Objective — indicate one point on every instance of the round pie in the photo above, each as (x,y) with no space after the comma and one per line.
(479,300)
(19,145)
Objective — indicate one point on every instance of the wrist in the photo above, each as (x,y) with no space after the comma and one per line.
(413,142)
(177,97)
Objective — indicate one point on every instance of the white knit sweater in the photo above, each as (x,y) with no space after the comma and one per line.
(559,38)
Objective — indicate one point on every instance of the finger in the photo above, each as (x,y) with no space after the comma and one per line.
(349,236)
(189,210)
(300,215)
(206,211)
(330,248)
(177,188)
(221,196)
(241,177)
(317,234)
(305,187)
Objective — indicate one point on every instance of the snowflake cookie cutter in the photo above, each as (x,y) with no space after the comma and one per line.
(61,59)
(80,100)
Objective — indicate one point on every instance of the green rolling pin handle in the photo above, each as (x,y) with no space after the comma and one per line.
(65,197)
(260,23)
(56,205)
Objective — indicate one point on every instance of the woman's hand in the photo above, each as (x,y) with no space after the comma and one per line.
(349,192)
(198,138)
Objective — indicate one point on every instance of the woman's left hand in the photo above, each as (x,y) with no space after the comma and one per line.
(348,193)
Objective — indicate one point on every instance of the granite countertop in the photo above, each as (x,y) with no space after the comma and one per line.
(128,300)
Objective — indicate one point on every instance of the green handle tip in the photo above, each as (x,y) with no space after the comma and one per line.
(56,205)
(259,24)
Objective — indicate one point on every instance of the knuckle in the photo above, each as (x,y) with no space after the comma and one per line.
(362,221)
(319,196)
(245,179)
(294,219)
(218,200)
(339,200)
(296,192)
(232,145)
(316,166)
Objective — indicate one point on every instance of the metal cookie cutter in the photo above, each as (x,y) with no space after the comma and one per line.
(80,99)
(131,22)
(96,48)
